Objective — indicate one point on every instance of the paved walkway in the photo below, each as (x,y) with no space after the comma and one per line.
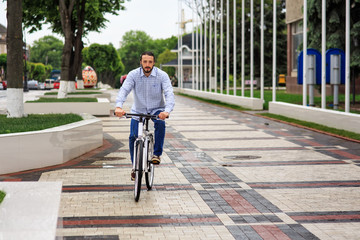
(224,175)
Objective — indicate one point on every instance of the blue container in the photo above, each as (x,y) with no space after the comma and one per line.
(310,51)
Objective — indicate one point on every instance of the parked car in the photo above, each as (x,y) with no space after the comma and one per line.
(33,84)
(42,85)
(1,86)
(49,83)
(4,84)
(56,84)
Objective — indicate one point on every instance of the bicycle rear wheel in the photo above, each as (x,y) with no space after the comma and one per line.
(138,169)
(149,174)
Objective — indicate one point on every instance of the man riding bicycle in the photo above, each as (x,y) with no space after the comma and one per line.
(150,85)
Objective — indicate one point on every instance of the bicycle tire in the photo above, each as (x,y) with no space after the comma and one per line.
(138,169)
(149,175)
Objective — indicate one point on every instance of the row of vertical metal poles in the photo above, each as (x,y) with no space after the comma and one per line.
(323,49)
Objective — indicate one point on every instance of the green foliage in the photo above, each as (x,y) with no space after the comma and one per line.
(335,30)
(106,62)
(47,50)
(38,71)
(2,196)
(34,122)
(136,42)
(165,57)
(3,61)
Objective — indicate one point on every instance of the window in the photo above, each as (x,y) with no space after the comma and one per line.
(297,38)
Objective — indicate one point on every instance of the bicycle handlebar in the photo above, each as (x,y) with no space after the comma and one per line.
(148,116)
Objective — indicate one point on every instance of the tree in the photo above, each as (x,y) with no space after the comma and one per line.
(335,30)
(3,61)
(15,105)
(135,42)
(203,10)
(132,45)
(73,19)
(106,62)
(47,50)
(165,57)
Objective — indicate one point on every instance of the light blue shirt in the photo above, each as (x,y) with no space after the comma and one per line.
(151,94)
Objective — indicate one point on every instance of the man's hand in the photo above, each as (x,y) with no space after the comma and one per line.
(119,112)
(163,115)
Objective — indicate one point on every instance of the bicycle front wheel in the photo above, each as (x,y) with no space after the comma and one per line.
(138,168)
(149,174)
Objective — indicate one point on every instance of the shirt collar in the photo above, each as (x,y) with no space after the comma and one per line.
(153,72)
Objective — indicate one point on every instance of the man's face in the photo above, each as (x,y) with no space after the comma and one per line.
(147,63)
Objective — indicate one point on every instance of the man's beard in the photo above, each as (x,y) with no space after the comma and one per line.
(147,69)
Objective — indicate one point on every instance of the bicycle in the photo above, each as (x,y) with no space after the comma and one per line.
(143,152)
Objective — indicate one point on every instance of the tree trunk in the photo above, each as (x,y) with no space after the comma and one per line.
(15,105)
(65,16)
(72,58)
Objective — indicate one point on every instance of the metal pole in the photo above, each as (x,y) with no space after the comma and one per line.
(215,47)
(222,48)
(323,55)
(197,50)
(347,58)
(274,53)
(201,53)
(179,36)
(205,57)
(304,54)
(234,46)
(252,48)
(243,48)
(192,49)
(227,47)
(262,53)
(210,46)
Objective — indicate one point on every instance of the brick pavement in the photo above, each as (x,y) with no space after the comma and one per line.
(224,175)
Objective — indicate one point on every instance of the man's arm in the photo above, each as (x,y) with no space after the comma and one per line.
(169,96)
(122,95)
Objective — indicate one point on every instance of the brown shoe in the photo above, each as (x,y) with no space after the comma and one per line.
(156,160)
(132,175)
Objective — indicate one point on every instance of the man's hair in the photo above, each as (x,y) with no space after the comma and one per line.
(147,53)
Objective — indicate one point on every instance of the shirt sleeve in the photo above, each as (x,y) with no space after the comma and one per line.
(168,93)
(125,90)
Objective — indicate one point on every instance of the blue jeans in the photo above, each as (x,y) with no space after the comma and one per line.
(159,126)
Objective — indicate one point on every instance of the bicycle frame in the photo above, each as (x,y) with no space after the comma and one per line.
(142,136)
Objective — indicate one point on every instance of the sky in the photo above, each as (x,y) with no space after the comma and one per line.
(158,18)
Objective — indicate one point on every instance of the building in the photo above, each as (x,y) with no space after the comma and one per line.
(187,58)
(3,32)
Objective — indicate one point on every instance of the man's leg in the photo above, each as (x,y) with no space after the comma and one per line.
(132,137)
(159,126)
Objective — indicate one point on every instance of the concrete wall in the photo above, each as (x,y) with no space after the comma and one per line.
(250,103)
(37,149)
(330,118)
(100,108)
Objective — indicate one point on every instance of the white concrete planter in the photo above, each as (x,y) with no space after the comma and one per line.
(246,102)
(99,95)
(37,149)
(30,210)
(100,108)
(330,118)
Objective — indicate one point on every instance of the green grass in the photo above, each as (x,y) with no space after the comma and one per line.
(34,122)
(311,125)
(64,100)
(282,96)
(2,196)
(74,93)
